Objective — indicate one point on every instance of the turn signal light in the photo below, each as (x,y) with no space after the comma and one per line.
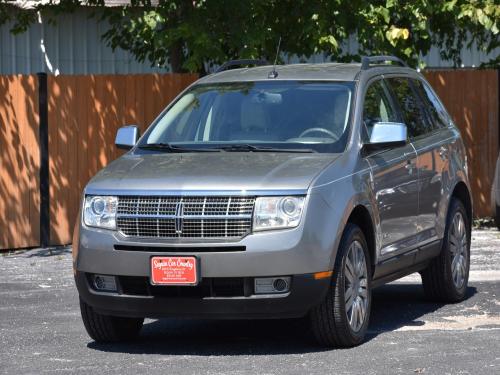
(323,275)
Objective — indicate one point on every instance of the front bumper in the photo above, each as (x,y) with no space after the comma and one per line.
(298,252)
(305,293)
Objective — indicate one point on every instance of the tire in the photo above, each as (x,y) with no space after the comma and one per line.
(106,328)
(497,216)
(330,321)
(446,278)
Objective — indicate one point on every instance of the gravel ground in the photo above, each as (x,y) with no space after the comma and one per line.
(41,330)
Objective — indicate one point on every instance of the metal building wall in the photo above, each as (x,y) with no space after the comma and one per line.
(471,58)
(74,46)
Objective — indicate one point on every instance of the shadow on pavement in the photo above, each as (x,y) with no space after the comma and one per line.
(398,305)
(39,252)
(394,306)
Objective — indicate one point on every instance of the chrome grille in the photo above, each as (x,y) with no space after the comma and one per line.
(185,217)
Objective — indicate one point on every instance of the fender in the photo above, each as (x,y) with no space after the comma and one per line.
(363,201)
(459,172)
(360,199)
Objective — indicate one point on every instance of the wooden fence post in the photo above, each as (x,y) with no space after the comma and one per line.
(43,133)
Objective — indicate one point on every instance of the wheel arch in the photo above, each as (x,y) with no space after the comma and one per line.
(361,217)
(462,193)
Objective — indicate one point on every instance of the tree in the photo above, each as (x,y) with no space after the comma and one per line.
(195,35)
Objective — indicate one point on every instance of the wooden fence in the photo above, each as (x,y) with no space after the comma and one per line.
(471,97)
(84,113)
(19,162)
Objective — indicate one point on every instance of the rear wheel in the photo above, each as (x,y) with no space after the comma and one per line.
(446,278)
(106,328)
(342,318)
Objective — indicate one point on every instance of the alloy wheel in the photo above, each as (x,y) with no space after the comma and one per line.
(458,250)
(356,286)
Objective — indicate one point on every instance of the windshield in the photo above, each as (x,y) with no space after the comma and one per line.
(251,116)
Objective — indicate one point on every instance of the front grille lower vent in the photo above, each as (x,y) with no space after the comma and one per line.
(208,287)
(185,217)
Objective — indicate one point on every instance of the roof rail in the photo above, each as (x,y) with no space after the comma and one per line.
(232,63)
(367,60)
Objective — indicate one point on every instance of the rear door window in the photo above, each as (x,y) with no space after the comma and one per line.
(411,107)
(437,114)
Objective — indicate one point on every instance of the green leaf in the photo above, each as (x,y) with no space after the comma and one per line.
(448,5)
(384,12)
(330,40)
(390,3)
(408,52)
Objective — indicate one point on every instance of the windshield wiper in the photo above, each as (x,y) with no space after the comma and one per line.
(253,148)
(173,148)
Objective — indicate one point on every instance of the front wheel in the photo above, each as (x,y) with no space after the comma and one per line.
(497,216)
(445,279)
(341,320)
(106,328)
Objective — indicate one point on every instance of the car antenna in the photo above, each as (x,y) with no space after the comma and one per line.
(274,73)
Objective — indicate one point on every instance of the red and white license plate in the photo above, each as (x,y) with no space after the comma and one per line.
(174,271)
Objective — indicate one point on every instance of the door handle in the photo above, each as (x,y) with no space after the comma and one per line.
(409,166)
(443,152)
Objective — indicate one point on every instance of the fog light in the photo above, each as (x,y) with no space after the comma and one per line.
(104,283)
(272,285)
(280,285)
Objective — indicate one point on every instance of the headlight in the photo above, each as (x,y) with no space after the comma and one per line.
(277,212)
(100,211)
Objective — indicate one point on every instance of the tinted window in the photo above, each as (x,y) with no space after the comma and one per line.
(410,107)
(377,107)
(283,114)
(437,113)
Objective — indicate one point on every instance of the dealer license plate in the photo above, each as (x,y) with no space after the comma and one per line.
(174,271)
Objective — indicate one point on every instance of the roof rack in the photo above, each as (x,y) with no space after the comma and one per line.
(232,63)
(367,60)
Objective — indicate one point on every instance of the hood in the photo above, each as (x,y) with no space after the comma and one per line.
(224,171)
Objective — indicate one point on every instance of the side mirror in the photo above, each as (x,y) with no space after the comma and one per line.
(386,135)
(126,137)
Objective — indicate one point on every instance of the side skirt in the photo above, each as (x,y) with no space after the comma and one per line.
(405,264)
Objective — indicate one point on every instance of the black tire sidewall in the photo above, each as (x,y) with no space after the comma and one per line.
(497,216)
(352,234)
(107,328)
(456,206)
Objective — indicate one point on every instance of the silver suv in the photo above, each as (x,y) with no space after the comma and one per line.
(278,192)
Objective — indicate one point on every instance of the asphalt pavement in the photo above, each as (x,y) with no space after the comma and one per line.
(41,330)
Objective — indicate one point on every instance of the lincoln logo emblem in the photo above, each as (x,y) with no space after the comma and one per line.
(179,213)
